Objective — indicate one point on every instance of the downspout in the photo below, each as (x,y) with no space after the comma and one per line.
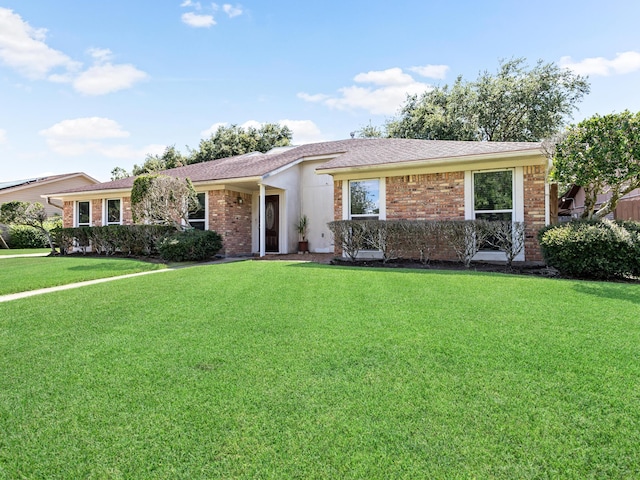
(261,221)
(49,202)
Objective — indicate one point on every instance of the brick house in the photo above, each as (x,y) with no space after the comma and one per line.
(255,200)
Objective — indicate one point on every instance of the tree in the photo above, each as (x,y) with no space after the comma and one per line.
(602,155)
(118,173)
(163,200)
(369,131)
(235,140)
(516,103)
(25,213)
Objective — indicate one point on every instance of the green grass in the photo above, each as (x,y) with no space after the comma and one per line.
(288,370)
(23,251)
(30,273)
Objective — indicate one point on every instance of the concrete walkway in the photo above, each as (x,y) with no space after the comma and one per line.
(69,286)
(25,255)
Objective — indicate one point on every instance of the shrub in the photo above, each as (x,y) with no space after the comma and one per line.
(22,236)
(591,249)
(191,245)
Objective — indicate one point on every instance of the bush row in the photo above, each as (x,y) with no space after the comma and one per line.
(592,249)
(422,238)
(137,240)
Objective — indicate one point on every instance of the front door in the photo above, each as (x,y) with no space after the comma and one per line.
(272,220)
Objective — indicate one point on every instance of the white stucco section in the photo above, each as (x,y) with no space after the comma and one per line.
(317,205)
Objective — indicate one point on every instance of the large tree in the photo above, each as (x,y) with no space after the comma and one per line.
(163,200)
(236,140)
(517,103)
(29,214)
(602,155)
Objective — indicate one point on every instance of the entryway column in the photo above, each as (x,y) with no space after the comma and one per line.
(261,221)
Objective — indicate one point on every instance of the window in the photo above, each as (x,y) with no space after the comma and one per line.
(197,218)
(114,212)
(364,199)
(83,214)
(493,197)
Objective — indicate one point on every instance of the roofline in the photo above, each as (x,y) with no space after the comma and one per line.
(462,159)
(58,178)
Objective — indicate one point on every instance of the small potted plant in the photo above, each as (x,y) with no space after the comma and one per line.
(301,227)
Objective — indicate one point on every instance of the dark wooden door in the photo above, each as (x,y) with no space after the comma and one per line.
(272,220)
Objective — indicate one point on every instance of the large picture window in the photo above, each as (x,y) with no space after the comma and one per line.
(197,218)
(114,212)
(364,199)
(83,214)
(493,195)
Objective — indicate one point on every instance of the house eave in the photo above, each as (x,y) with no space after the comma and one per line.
(447,164)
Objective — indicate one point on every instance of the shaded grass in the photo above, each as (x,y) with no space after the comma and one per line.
(31,273)
(281,370)
(23,251)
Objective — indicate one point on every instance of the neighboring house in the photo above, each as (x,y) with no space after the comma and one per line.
(255,200)
(32,190)
(571,205)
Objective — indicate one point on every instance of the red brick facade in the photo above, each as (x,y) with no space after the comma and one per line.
(232,220)
(534,210)
(67,214)
(434,196)
(440,196)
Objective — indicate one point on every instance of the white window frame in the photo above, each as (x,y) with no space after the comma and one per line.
(382,213)
(205,220)
(105,212)
(517,207)
(76,214)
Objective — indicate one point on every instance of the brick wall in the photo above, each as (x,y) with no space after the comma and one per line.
(232,220)
(337,209)
(67,214)
(127,217)
(96,212)
(435,196)
(534,214)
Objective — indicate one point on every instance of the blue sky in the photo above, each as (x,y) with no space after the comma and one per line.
(87,86)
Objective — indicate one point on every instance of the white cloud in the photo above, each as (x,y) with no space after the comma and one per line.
(107,78)
(212,129)
(94,136)
(23,48)
(189,3)
(304,131)
(231,10)
(390,90)
(625,62)
(391,76)
(84,129)
(3,136)
(431,71)
(198,21)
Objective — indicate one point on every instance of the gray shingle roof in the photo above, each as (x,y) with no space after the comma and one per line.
(348,153)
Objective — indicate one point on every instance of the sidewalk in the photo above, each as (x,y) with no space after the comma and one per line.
(69,286)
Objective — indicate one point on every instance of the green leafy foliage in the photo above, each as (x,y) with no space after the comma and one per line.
(190,245)
(24,236)
(111,239)
(235,140)
(28,214)
(592,249)
(517,103)
(602,155)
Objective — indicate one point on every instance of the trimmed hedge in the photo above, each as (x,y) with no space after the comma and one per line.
(421,238)
(191,245)
(23,236)
(592,249)
(110,239)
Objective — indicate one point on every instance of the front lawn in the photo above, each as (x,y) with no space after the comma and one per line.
(290,370)
(31,273)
